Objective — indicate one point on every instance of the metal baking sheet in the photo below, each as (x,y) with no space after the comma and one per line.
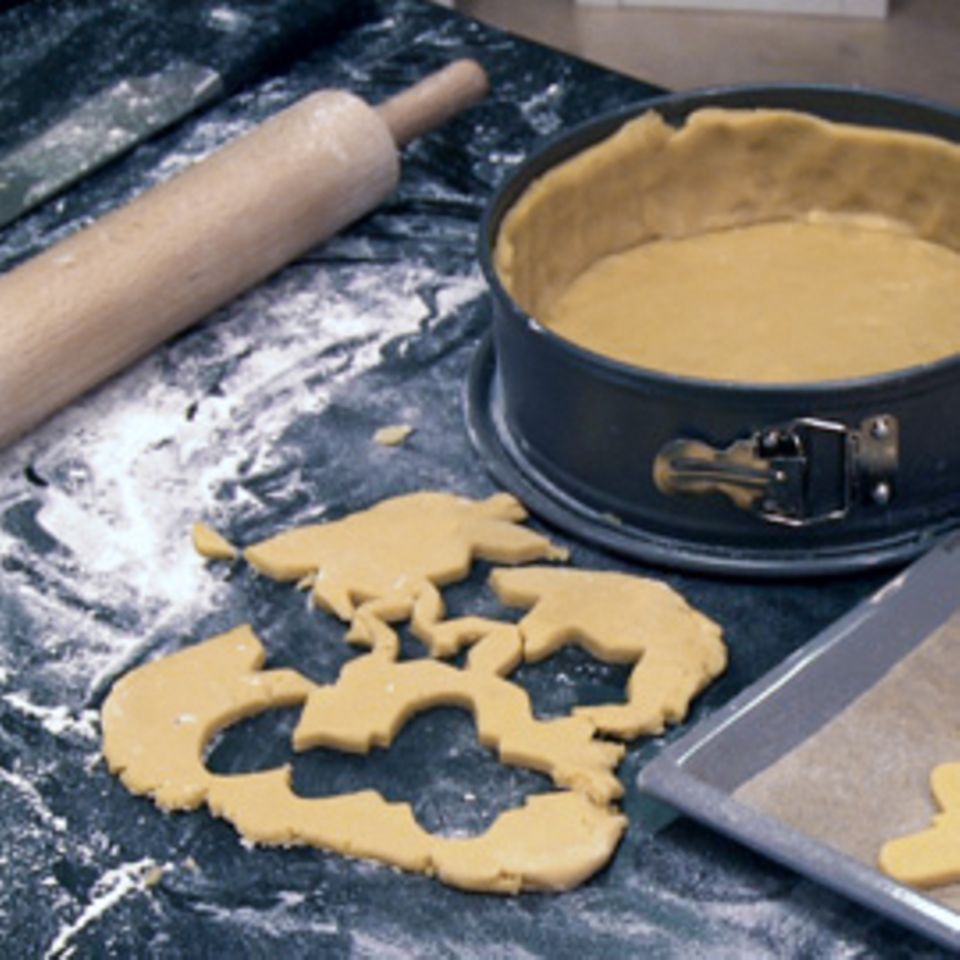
(701,773)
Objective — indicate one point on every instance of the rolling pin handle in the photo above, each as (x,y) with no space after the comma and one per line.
(434,100)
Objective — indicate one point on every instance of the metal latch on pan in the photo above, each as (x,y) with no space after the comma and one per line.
(799,473)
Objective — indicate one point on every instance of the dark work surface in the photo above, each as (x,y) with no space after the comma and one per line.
(260,418)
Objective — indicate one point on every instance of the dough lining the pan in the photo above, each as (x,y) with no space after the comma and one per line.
(751,203)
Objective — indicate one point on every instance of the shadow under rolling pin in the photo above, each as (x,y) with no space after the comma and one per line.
(92,304)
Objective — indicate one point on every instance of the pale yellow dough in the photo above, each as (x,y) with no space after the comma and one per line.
(211,544)
(747,245)
(374,696)
(676,650)
(158,719)
(392,435)
(400,549)
(384,565)
(930,858)
(772,302)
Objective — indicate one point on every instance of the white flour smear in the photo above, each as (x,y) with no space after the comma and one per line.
(96,509)
(132,466)
(108,891)
(27,792)
(57,720)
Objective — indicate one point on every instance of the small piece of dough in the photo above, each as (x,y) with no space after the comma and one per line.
(400,547)
(393,435)
(208,543)
(930,858)
(159,718)
(620,619)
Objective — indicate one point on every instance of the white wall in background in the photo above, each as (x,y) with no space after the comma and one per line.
(839,8)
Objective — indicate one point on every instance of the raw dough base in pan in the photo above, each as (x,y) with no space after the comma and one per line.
(769,303)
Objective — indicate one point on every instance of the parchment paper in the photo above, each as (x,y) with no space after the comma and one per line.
(864,777)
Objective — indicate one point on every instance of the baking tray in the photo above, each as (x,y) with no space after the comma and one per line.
(700,773)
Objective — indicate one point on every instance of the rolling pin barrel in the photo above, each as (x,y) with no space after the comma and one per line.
(95,302)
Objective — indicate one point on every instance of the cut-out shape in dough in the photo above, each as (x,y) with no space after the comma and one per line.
(392,435)
(211,544)
(619,619)
(158,719)
(375,696)
(399,549)
(931,857)
(373,569)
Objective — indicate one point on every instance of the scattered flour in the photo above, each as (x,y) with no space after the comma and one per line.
(108,891)
(129,470)
(58,720)
(34,800)
(102,568)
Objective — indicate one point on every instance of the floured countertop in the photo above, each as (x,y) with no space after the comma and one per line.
(264,417)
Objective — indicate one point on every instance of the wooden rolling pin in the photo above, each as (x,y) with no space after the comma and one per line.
(90,305)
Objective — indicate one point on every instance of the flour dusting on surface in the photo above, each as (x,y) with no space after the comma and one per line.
(109,890)
(131,467)
(57,720)
(99,504)
(31,796)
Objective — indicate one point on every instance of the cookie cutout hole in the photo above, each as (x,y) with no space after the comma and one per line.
(572,677)
(474,598)
(455,786)
(411,648)
(260,742)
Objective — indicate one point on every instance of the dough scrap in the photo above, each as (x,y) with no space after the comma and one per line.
(620,619)
(211,544)
(392,435)
(159,718)
(722,177)
(518,852)
(373,569)
(931,857)
(400,548)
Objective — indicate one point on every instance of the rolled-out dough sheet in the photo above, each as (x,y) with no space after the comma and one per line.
(864,778)
(386,564)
